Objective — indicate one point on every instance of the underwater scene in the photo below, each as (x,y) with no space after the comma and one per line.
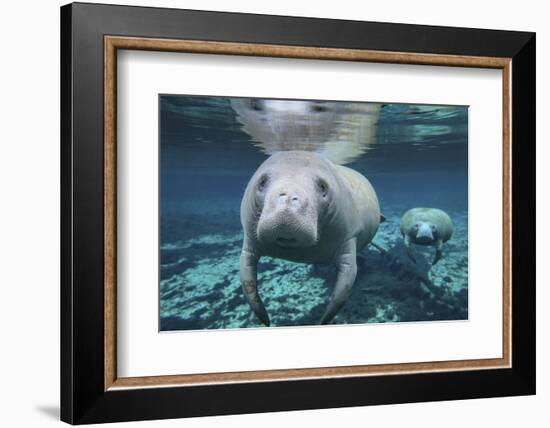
(281,212)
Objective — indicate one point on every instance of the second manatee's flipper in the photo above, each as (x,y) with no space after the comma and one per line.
(438,251)
(249,273)
(346,262)
(407,241)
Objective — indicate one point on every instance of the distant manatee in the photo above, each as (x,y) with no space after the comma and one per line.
(299,206)
(426,226)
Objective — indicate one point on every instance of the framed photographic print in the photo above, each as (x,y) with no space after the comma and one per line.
(265,213)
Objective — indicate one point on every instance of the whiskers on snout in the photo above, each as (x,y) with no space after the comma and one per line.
(288,232)
(287,228)
(288,218)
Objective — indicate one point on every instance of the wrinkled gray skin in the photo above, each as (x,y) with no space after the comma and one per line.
(301,207)
(426,226)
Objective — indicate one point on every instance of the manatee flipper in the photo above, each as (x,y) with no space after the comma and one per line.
(346,262)
(382,218)
(249,273)
(438,251)
(407,241)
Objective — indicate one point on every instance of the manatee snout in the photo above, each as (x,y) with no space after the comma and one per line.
(288,218)
(425,233)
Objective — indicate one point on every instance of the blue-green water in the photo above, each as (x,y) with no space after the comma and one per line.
(419,159)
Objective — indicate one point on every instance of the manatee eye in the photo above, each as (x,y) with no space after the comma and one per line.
(322,186)
(262,183)
(257,105)
(318,108)
(416,226)
(432,227)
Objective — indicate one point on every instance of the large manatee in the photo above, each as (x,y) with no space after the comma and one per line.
(300,206)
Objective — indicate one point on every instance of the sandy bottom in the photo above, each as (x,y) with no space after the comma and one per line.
(200,289)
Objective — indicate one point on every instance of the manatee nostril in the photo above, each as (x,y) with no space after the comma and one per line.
(294,198)
(282,199)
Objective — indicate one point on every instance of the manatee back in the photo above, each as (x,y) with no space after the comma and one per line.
(363,212)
